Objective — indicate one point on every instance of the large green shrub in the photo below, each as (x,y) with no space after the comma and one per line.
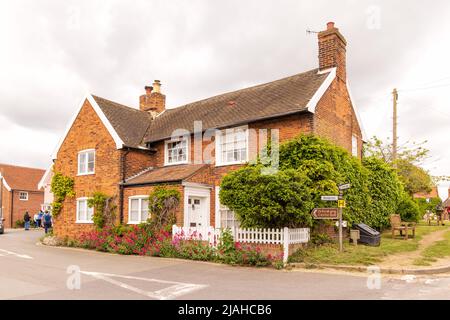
(386,191)
(409,210)
(309,168)
(268,201)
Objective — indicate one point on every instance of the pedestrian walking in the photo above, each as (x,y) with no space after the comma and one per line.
(27,219)
(47,221)
(35,219)
(40,216)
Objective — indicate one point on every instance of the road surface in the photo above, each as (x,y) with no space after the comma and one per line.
(31,271)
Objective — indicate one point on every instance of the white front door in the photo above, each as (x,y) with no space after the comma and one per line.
(195,212)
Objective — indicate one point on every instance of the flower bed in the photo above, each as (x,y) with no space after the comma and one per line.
(143,240)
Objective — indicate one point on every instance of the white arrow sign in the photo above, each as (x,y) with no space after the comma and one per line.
(330,198)
(345,186)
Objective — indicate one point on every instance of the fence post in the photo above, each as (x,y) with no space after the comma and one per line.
(285,245)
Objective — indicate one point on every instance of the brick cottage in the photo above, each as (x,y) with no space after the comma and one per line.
(127,152)
(19,192)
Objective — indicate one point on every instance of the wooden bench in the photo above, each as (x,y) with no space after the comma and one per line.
(398,225)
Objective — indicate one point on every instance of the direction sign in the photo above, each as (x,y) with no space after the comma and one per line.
(325,213)
(345,186)
(330,198)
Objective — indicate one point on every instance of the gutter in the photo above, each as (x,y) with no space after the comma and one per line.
(142,184)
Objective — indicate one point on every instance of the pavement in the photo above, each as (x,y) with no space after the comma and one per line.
(31,271)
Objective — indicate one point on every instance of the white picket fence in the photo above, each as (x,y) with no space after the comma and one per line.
(283,236)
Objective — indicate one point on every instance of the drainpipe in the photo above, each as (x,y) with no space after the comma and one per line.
(122,180)
(12,208)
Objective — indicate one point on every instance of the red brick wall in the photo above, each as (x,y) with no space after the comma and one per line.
(335,118)
(146,190)
(33,205)
(12,202)
(6,204)
(137,161)
(87,132)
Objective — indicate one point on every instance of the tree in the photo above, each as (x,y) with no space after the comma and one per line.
(411,156)
(414,178)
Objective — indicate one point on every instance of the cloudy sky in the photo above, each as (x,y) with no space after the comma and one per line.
(53,52)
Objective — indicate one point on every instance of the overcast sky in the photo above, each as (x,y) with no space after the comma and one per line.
(53,52)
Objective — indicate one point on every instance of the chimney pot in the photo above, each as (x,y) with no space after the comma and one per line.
(148,90)
(330,25)
(157,86)
(153,100)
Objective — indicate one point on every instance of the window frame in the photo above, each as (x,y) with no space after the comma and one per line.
(166,150)
(218,147)
(355,151)
(141,198)
(218,215)
(86,163)
(78,220)
(23,193)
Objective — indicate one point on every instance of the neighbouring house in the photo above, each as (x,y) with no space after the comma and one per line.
(127,152)
(45,184)
(19,192)
(434,193)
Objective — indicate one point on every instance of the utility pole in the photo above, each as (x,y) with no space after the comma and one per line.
(341,245)
(395,137)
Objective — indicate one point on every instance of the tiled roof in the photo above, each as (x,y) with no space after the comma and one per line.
(165,174)
(446,203)
(277,98)
(129,123)
(280,97)
(21,178)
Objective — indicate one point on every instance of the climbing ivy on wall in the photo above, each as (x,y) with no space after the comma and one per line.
(104,209)
(61,188)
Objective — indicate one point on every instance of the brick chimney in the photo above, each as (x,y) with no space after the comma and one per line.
(332,51)
(153,100)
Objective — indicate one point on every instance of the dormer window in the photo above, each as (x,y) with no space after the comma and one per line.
(86,162)
(176,151)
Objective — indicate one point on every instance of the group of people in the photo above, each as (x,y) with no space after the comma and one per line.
(41,219)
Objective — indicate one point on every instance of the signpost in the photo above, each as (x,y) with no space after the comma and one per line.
(330,198)
(325,213)
(334,213)
(341,205)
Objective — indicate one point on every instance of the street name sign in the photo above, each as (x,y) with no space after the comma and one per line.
(325,213)
(330,198)
(345,186)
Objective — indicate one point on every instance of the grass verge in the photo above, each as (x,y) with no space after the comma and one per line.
(439,249)
(364,255)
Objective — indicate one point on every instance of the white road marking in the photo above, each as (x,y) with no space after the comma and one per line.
(174,290)
(23,256)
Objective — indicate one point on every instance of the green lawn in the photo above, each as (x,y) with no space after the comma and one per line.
(439,249)
(362,255)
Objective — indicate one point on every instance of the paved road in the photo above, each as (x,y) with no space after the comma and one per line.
(30,271)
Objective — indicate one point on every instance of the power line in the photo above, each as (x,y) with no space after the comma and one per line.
(425,88)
